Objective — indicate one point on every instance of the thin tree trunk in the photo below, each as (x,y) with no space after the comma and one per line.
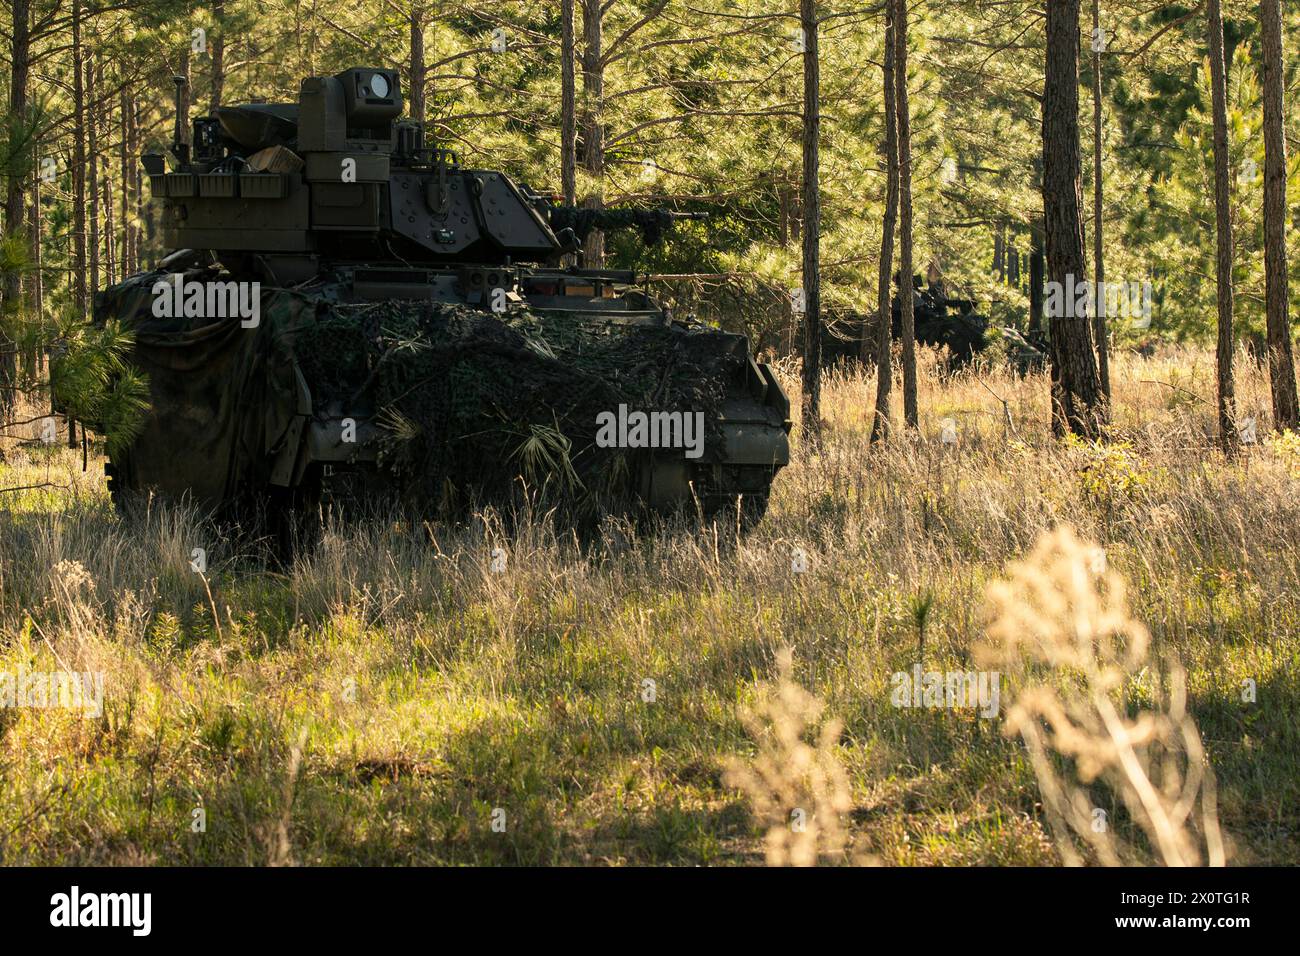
(125,175)
(783,227)
(884,339)
(187,95)
(906,297)
(15,198)
(1077,402)
(19,71)
(1281,363)
(92,171)
(1099,330)
(792,188)
(143,210)
(593,128)
(38,280)
(812,351)
(111,249)
(102,167)
(1037,271)
(1227,403)
(417,64)
(217,49)
(81,300)
(568,108)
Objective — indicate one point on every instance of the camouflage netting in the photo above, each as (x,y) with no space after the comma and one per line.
(466,402)
(469,402)
(222,395)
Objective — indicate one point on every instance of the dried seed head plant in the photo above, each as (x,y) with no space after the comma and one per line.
(1060,625)
(795,783)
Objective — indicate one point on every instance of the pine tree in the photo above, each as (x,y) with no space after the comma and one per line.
(1223,231)
(906,297)
(1281,362)
(880,425)
(812,227)
(1077,403)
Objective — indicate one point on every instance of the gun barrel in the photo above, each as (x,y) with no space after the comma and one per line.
(653,223)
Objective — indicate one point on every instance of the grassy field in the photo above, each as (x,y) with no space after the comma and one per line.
(393,700)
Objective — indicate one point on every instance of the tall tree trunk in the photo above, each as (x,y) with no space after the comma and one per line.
(812,349)
(125,177)
(790,193)
(38,279)
(783,226)
(1281,363)
(593,124)
(104,124)
(19,71)
(1037,271)
(187,95)
(142,220)
(906,297)
(1098,261)
(417,64)
(217,49)
(1077,403)
(78,166)
(111,248)
(884,278)
(1227,403)
(20,67)
(92,170)
(568,108)
(87,251)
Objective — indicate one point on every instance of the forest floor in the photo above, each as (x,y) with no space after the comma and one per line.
(392,700)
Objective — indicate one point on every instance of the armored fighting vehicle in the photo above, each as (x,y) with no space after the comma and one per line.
(350,315)
(939,322)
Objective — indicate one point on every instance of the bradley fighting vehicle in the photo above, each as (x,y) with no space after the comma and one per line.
(350,315)
(940,322)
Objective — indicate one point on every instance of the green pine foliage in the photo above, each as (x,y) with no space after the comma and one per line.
(700,111)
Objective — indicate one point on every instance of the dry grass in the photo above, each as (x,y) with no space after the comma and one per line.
(388,699)
(798,790)
(1062,628)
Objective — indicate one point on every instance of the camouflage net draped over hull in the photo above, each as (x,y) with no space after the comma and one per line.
(468,403)
(221,394)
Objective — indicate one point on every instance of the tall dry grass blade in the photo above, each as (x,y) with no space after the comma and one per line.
(795,783)
(1061,625)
